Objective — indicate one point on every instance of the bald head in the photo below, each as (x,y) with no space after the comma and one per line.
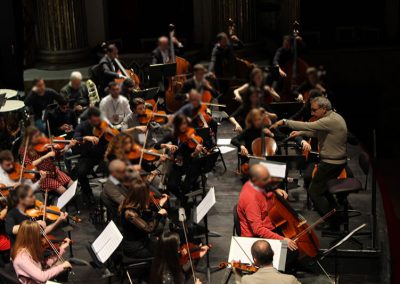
(117,169)
(194,97)
(163,42)
(262,253)
(258,172)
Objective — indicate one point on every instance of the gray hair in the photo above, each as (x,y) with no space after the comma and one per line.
(323,102)
(76,75)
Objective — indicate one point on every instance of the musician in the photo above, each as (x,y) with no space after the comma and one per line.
(38,99)
(255,201)
(129,89)
(138,221)
(91,152)
(132,126)
(62,120)
(312,82)
(114,107)
(5,244)
(285,53)
(186,164)
(28,259)
(304,114)
(109,70)
(114,189)
(263,256)
(162,54)
(76,92)
(20,200)
(198,82)
(166,267)
(331,130)
(7,136)
(7,163)
(55,180)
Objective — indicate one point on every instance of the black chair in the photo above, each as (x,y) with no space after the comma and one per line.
(8,275)
(111,209)
(134,269)
(342,188)
(236,222)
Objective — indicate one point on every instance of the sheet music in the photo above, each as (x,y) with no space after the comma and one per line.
(240,250)
(223,141)
(226,149)
(275,169)
(107,242)
(67,195)
(205,205)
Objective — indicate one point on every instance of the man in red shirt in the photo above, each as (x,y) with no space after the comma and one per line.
(254,205)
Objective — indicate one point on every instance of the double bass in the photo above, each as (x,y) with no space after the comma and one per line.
(175,83)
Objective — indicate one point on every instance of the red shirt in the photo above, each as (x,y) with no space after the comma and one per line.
(253,206)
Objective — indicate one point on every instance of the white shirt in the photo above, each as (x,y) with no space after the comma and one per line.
(5,179)
(115,110)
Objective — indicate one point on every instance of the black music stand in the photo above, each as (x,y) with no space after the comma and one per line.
(147,94)
(158,72)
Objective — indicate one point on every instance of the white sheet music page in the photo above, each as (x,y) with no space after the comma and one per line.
(107,242)
(67,195)
(276,169)
(205,205)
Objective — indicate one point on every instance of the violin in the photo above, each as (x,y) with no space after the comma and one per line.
(157,116)
(105,130)
(51,212)
(185,249)
(5,190)
(250,268)
(190,138)
(29,172)
(56,144)
(148,154)
(203,116)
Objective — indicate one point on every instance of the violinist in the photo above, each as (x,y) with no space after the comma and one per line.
(331,130)
(91,151)
(166,267)
(198,82)
(22,199)
(255,200)
(55,180)
(263,256)
(7,166)
(28,259)
(62,120)
(132,125)
(186,158)
(162,54)
(114,189)
(114,107)
(139,222)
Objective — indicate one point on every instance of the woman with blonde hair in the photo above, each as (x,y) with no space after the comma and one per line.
(28,259)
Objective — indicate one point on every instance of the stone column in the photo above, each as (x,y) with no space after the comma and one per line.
(61,31)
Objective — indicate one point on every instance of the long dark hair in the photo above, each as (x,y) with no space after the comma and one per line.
(166,259)
(20,192)
(178,120)
(253,74)
(138,197)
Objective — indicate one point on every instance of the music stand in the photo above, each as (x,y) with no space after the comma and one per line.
(147,94)
(157,72)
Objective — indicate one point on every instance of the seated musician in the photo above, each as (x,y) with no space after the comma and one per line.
(331,130)
(132,126)
(186,159)
(255,200)
(7,166)
(263,256)
(5,244)
(28,258)
(166,267)
(257,80)
(109,70)
(139,221)
(198,83)
(76,92)
(285,54)
(62,120)
(91,151)
(162,54)
(114,189)
(193,111)
(129,89)
(114,107)
(20,200)
(38,99)
(55,180)
(312,82)
(250,101)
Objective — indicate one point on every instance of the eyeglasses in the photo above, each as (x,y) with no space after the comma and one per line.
(314,109)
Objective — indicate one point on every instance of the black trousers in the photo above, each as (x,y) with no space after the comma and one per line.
(318,190)
(83,169)
(178,187)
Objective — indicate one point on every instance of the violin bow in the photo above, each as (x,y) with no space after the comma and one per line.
(50,137)
(182,218)
(248,257)
(319,221)
(23,160)
(46,194)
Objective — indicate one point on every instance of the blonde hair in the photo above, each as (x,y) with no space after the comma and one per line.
(28,238)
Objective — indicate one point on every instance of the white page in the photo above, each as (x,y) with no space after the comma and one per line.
(107,242)
(223,141)
(242,252)
(276,169)
(226,149)
(67,195)
(205,205)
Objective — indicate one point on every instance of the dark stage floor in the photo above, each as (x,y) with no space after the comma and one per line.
(354,266)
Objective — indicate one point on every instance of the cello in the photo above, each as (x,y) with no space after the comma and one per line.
(128,73)
(175,83)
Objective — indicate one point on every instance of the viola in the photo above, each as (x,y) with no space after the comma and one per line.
(157,116)
(148,154)
(194,250)
(105,130)
(190,138)
(45,144)
(51,212)
(250,268)
(29,172)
